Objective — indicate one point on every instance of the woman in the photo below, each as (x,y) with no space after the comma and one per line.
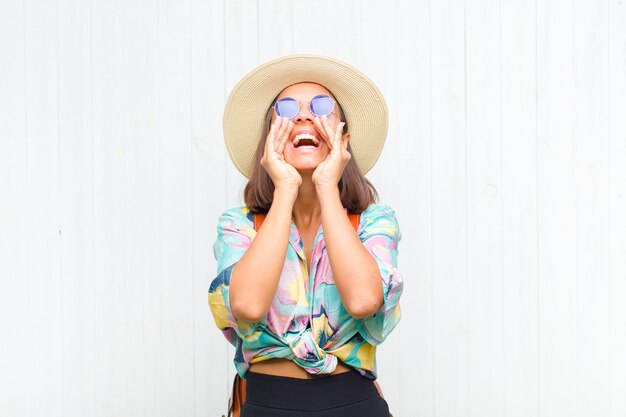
(305,299)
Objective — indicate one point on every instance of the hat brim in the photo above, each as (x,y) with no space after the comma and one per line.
(362,103)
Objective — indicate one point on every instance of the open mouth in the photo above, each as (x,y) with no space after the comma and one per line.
(306,140)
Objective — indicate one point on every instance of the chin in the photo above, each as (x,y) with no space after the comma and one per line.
(305,168)
(304,164)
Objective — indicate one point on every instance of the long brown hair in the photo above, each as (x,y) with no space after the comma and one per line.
(355,191)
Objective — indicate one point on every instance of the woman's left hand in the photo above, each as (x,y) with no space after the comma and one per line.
(329,171)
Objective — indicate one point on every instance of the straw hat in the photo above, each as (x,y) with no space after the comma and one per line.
(362,103)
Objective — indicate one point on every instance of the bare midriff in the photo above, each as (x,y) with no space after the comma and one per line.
(286,367)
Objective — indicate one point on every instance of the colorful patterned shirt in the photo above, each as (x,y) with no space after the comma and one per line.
(307,321)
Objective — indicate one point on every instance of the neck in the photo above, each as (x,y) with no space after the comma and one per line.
(307,209)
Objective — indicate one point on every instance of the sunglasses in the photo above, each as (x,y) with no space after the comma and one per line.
(289,107)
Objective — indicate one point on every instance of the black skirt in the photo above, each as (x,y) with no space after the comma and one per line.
(341,395)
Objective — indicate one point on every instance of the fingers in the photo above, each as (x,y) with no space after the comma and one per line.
(344,138)
(339,132)
(337,137)
(285,137)
(269,140)
(334,138)
(278,134)
(319,125)
(284,124)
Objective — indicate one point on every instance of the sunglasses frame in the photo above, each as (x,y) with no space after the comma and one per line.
(309,106)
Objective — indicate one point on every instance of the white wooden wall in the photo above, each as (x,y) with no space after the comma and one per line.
(506,164)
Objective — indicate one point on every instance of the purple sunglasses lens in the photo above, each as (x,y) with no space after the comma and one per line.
(321,105)
(287,107)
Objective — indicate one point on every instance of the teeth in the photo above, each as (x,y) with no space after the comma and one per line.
(301,136)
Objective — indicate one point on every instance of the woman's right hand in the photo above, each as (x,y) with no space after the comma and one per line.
(283,174)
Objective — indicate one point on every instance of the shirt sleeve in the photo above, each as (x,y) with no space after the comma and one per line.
(234,236)
(380,235)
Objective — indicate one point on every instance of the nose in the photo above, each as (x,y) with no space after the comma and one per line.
(304,114)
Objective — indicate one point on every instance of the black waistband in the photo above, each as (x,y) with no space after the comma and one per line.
(308,394)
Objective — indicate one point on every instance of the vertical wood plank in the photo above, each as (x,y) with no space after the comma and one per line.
(109,191)
(142,198)
(411,122)
(556,203)
(519,204)
(275,29)
(14,242)
(210,157)
(242,56)
(591,145)
(44,306)
(175,207)
(77,210)
(449,212)
(617,205)
(329,28)
(484,208)
(375,55)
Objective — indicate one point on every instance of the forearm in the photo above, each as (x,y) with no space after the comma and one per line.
(354,269)
(254,279)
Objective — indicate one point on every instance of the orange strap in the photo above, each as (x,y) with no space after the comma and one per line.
(260,217)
